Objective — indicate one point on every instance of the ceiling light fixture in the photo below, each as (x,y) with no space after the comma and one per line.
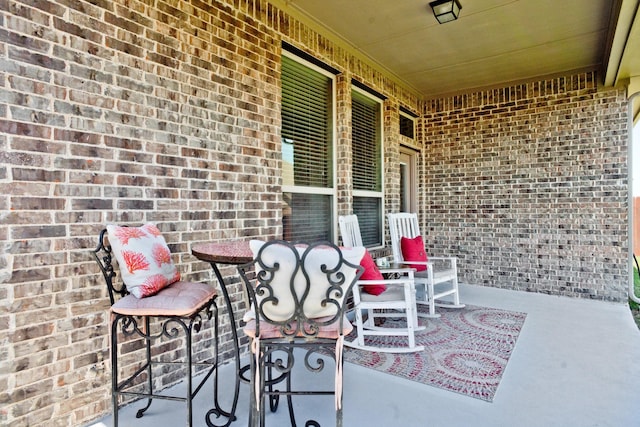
(446,10)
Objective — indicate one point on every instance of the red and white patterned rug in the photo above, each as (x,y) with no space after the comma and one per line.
(466,351)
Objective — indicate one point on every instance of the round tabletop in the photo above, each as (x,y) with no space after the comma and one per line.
(230,252)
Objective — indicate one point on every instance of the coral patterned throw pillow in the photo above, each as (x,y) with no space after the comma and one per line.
(143,257)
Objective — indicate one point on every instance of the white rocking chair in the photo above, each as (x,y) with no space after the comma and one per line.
(440,279)
(397,301)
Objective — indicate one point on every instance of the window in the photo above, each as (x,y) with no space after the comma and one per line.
(407,123)
(367,166)
(307,151)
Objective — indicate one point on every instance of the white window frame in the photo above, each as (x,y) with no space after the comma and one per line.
(332,191)
(375,194)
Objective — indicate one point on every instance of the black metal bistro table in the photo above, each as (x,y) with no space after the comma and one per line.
(225,253)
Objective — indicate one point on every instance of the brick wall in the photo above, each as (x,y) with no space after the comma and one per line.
(131,111)
(108,113)
(528,186)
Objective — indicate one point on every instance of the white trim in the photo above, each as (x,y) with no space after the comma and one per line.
(411,188)
(308,190)
(632,99)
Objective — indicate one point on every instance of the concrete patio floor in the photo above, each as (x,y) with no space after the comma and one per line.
(576,364)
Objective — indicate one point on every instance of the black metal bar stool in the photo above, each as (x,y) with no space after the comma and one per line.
(178,309)
(298,298)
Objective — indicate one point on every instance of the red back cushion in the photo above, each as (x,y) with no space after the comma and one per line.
(413,250)
(371,272)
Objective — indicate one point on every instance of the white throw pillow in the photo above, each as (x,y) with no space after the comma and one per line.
(319,282)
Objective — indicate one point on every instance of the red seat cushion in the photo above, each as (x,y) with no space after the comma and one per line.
(270,330)
(371,272)
(413,250)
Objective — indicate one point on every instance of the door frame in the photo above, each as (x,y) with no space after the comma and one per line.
(408,179)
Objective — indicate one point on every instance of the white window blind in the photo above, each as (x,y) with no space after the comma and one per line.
(369,212)
(367,168)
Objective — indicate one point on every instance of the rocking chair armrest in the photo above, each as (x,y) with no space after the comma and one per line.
(398,270)
(427,263)
(393,282)
(430,263)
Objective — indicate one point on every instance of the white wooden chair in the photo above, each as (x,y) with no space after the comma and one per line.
(440,279)
(398,300)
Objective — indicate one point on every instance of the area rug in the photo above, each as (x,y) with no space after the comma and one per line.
(466,351)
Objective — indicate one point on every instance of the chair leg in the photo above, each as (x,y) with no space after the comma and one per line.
(456,295)
(429,300)
(454,284)
(261,397)
(339,408)
(432,300)
(252,392)
(257,415)
(359,327)
(141,411)
(114,371)
(217,410)
(412,324)
(189,378)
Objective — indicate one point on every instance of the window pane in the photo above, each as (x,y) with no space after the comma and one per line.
(367,166)
(307,217)
(307,126)
(368,210)
(404,171)
(406,126)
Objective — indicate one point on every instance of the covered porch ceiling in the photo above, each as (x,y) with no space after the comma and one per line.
(494,42)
